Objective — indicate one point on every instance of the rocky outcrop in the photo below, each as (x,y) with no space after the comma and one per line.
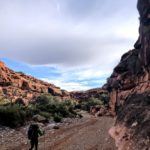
(16,86)
(132,130)
(129,87)
(94,94)
(85,95)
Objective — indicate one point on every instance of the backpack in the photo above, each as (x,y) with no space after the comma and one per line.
(30,132)
(34,132)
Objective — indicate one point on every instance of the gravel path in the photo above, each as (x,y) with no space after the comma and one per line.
(89,133)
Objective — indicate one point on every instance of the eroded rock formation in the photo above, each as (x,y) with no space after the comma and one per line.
(85,95)
(14,86)
(129,88)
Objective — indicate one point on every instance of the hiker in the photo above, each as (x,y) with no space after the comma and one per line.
(33,133)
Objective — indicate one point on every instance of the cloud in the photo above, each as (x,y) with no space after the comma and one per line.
(68,79)
(82,39)
(66,32)
(69,86)
(80,79)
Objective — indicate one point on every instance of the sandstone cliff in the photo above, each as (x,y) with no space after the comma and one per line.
(85,95)
(129,87)
(15,85)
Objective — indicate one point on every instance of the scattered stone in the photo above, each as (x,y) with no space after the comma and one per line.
(56,127)
(39,118)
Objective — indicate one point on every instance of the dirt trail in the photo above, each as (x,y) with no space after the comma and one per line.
(89,134)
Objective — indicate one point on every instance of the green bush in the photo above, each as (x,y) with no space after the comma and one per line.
(57,118)
(45,114)
(86,105)
(50,104)
(44,99)
(31,110)
(12,116)
(104,98)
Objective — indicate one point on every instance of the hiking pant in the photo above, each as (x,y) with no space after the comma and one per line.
(34,143)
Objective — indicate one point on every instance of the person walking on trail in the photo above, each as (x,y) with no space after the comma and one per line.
(33,133)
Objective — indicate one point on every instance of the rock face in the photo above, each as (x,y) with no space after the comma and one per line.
(129,87)
(14,86)
(85,95)
(97,93)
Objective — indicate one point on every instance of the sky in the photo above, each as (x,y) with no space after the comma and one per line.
(74,44)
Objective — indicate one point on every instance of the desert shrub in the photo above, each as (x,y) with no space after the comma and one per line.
(86,105)
(51,108)
(12,115)
(44,99)
(50,104)
(72,111)
(31,110)
(45,114)
(57,118)
(67,103)
(63,110)
(4,101)
(78,106)
(105,99)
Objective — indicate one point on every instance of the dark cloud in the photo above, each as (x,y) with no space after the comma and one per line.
(68,51)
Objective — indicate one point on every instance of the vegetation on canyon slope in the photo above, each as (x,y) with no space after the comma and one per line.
(101,100)
(44,108)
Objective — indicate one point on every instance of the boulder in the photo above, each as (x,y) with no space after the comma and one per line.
(39,118)
(55,91)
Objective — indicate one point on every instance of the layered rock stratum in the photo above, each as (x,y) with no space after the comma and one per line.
(17,85)
(129,87)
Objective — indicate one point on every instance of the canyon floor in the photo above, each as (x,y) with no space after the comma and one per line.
(88,133)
